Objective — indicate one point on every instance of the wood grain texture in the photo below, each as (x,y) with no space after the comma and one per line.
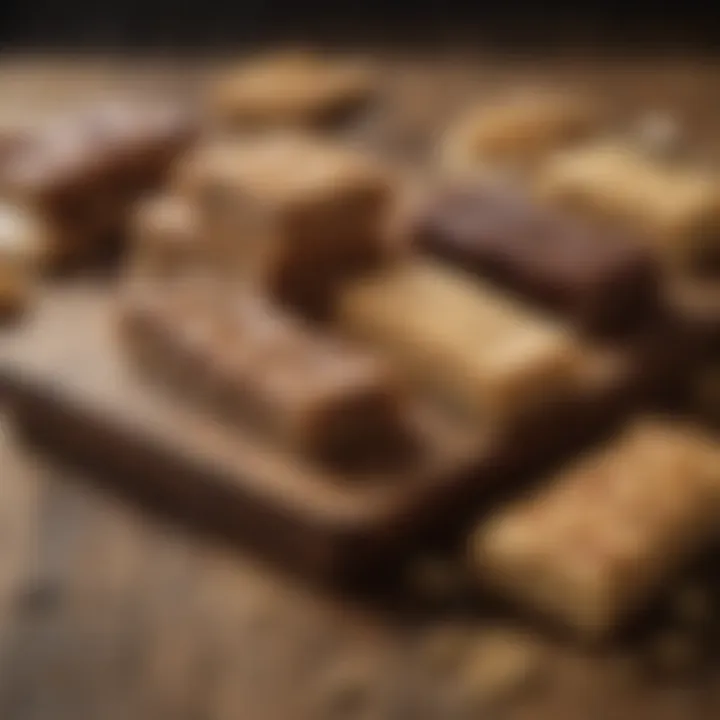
(109,614)
(120,616)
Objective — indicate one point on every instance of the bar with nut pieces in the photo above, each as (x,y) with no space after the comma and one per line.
(590,546)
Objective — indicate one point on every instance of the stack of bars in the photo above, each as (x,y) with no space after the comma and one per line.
(547,286)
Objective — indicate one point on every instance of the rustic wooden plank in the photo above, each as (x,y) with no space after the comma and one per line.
(107,614)
(19,526)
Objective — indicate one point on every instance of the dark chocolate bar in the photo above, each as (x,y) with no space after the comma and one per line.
(601,282)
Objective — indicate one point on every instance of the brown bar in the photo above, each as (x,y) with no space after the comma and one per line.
(11,141)
(601,280)
(253,364)
(80,175)
(594,544)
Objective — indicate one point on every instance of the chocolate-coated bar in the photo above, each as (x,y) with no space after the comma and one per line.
(289,215)
(79,175)
(590,546)
(676,208)
(485,352)
(316,395)
(519,130)
(599,280)
(296,88)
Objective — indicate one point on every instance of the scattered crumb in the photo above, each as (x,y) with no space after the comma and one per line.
(345,692)
(444,647)
(501,665)
(675,653)
(439,579)
(659,134)
(693,605)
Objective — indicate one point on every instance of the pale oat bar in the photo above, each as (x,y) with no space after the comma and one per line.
(488,354)
(676,208)
(292,88)
(590,546)
(289,214)
(517,131)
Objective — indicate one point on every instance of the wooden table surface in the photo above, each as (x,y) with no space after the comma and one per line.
(109,614)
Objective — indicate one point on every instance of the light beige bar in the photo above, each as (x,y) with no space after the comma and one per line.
(591,545)
(677,208)
(517,131)
(291,88)
(288,213)
(488,354)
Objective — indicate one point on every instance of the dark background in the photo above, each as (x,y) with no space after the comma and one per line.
(174,24)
